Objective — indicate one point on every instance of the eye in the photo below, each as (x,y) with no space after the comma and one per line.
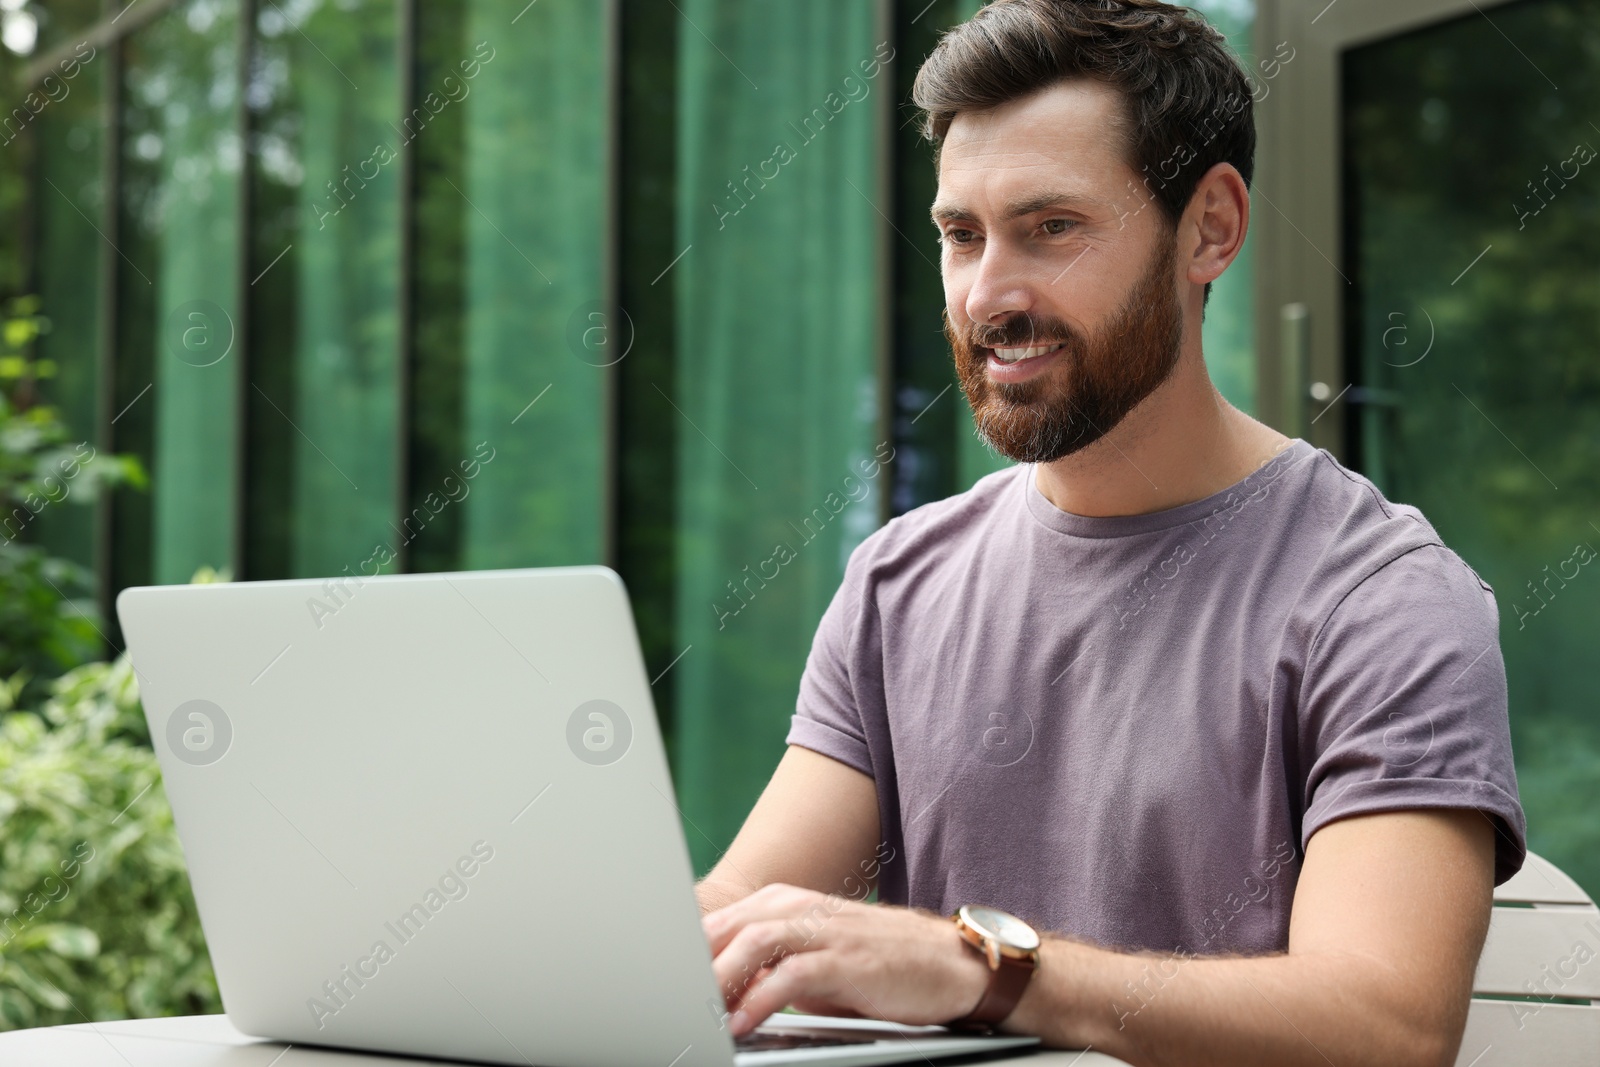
(958,236)
(1056,227)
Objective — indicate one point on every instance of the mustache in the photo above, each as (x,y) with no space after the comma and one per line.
(1020,329)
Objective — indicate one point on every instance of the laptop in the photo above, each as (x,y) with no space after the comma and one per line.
(431,815)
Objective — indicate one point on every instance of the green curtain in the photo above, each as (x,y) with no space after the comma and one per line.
(775,384)
(67,196)
(346,253)
(180,110)
(533,201)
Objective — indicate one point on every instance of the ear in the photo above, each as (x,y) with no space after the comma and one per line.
(1215,223)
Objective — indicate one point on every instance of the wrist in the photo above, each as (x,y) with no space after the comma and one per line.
(1033,1015)
(970,977)
(713,894)
(1060,1006)
(1008,949)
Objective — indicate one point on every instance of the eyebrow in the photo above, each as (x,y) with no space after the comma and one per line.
(1026,205)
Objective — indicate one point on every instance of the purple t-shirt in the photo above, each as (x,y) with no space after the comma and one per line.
(1126,729)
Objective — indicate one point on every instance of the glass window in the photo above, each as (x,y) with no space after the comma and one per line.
(511,356)
(180,183)
(534,199)
(325,273)
(1474,218)
(775,393)
(67,205)
(56,23)
(646,428)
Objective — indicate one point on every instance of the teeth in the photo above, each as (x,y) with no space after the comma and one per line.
(1017,355)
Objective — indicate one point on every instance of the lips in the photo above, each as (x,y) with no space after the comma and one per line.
(1016,364)
(1019,355)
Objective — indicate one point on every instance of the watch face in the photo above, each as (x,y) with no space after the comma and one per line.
(1002,926)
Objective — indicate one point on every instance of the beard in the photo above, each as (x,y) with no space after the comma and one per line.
(1096,381)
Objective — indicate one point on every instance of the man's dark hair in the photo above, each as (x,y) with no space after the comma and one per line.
(1187,103)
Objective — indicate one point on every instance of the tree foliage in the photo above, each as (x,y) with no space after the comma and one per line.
(96,916)
(45,626)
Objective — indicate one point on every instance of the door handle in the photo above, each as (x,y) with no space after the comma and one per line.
(1295,345)
(1299,392)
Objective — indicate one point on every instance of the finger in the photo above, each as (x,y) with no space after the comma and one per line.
(732,1001)
(765,903)
(808,910)
(757,948)
(808,976)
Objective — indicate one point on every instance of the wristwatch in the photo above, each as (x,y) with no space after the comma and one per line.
(1011,948)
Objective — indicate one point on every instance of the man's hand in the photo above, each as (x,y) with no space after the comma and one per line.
(832,956)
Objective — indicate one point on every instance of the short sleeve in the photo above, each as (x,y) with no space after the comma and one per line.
(1403,702)
(828,713)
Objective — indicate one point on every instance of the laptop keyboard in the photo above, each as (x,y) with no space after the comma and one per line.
(771,1040)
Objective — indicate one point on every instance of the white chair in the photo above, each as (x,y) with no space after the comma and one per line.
(1548,949)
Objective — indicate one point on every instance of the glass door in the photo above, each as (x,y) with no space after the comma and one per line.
(1433,198)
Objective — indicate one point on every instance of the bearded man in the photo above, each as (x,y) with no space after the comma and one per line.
(1187,698)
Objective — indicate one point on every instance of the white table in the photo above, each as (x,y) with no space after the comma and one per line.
(210,1041)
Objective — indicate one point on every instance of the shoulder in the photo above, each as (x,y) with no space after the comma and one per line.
(1347,515)
(1347,540)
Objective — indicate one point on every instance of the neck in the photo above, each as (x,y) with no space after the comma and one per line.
(1183,443)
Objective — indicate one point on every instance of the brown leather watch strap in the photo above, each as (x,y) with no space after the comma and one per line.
(1006,985)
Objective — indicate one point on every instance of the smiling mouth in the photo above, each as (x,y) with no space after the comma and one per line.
(1019,355)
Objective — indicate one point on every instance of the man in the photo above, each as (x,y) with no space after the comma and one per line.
(1186,696)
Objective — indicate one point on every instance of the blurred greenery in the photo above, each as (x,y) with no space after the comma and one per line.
(96,916)
(1475,240)
(45,625)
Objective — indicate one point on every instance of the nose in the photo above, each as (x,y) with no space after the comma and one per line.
(1000,289)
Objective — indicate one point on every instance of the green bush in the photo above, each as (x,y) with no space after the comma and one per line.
(96,917)
(45,628)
